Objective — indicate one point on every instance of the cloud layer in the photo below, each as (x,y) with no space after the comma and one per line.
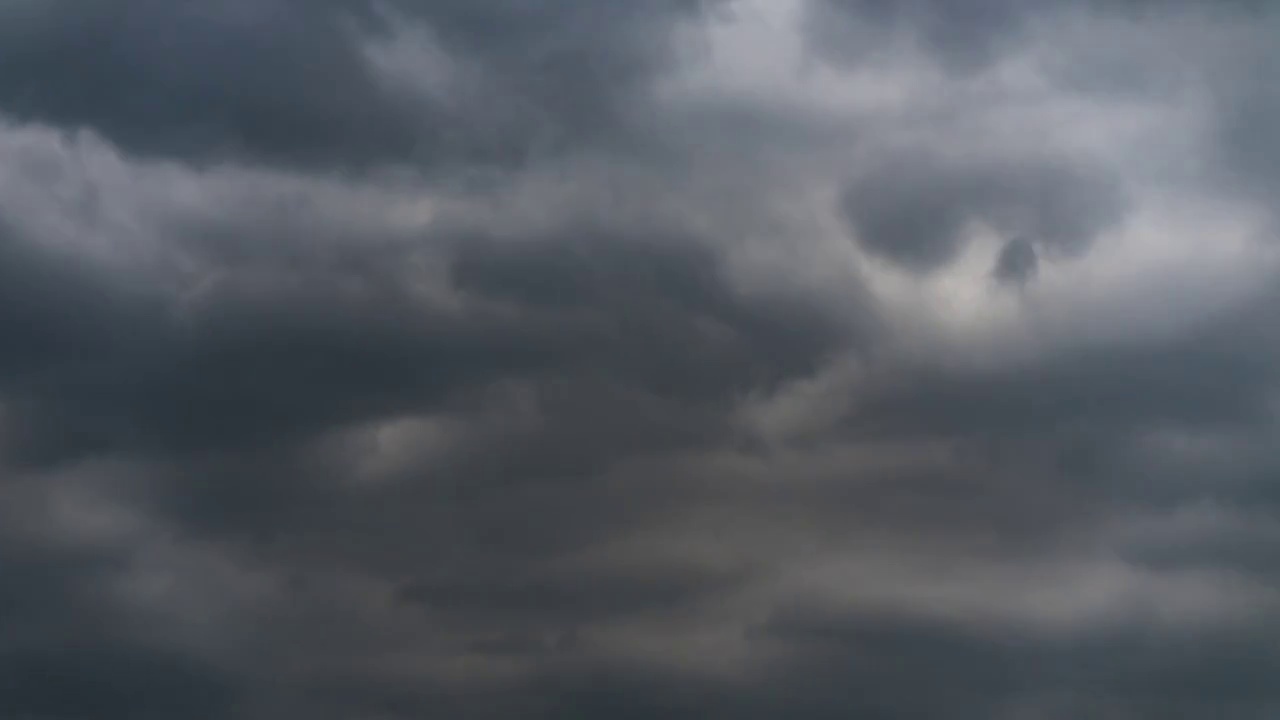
(576,359)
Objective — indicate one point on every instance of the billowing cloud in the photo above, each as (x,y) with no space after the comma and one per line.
(745,358)
(916,209)
(345,82)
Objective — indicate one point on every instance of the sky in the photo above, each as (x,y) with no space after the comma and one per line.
(578,359)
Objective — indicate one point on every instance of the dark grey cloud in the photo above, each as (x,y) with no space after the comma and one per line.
(1246,111)
(970,38)
(1017,262)
(66,653)
(962,37)
(183,76)
(1209,378)
(915,208)
(53,311)
(1016,675)
(659,311)
(295,81)
(287,355)
(302,417)
(578,598)
(138,379)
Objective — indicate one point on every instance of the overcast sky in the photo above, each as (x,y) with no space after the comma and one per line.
(648,359)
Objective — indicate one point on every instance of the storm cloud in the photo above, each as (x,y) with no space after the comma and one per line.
(673,359)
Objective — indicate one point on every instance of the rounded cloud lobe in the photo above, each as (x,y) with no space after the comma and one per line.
(669,359)
(916,209)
